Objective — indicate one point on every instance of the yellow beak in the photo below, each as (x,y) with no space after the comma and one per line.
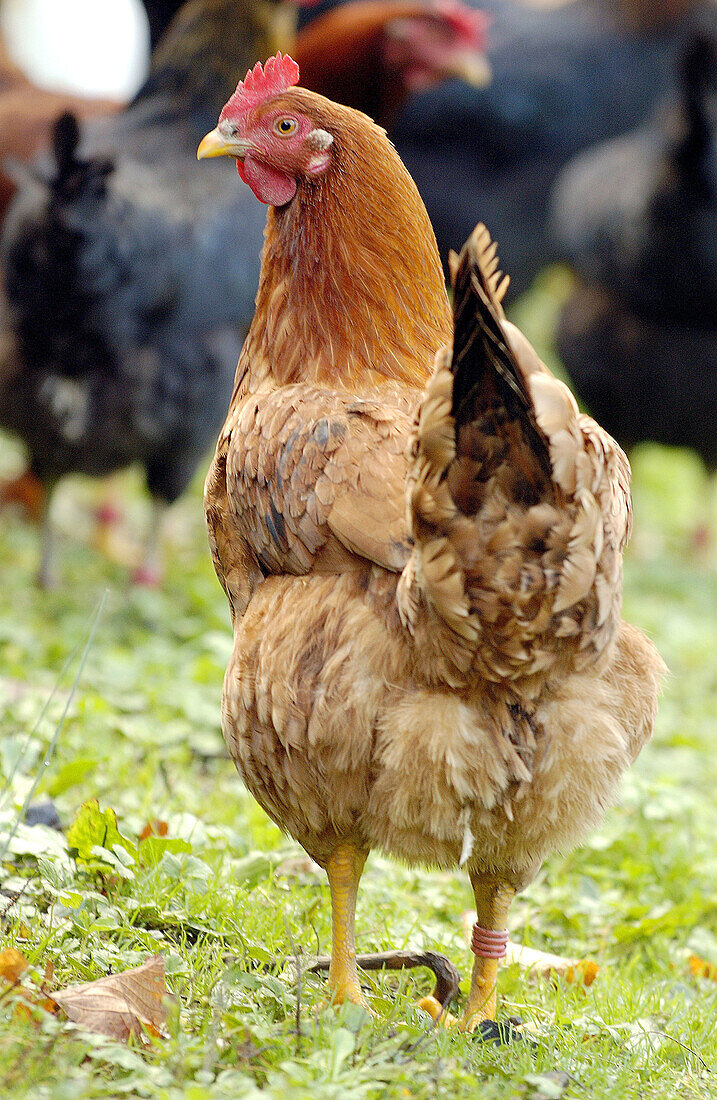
(472,68)
(215,144)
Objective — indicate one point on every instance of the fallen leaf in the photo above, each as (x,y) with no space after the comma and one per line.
(541,964)
(702,969)
(300,866)
(119,1005)
(13,965)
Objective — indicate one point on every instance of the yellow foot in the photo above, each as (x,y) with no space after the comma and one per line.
(469,1023)
(343,992)
(437,1011)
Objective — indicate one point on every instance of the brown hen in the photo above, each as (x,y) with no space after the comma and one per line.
(424,572)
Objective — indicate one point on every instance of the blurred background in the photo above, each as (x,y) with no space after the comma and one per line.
(582,132)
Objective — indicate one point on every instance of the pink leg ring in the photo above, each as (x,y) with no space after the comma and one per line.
(488,942)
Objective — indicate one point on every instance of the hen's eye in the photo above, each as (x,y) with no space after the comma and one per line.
(285,127)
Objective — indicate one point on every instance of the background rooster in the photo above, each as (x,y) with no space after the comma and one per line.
(428,651)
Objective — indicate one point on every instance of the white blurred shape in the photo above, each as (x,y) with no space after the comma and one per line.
(97,48)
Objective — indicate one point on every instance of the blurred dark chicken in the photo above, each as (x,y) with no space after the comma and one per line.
(159,13)
(563,78)
(637,220)
(159,264)
(27,113)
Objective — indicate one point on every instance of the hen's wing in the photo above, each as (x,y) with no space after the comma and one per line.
(315,479)
(519,505)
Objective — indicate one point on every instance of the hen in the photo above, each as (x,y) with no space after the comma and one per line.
(145,333)
(637,220)
(423,568)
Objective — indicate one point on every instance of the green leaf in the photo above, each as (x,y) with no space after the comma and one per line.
(94,828)
(547,1087)
(152,849)
(254,868)
(342,1048)
(70,774)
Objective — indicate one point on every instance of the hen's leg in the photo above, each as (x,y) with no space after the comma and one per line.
(490,937)
(46,573)
(344,870)
(151,572)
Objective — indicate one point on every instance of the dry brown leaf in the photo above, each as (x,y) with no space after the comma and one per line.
(13,965)
(119,1005)
(702,969)
(541,964)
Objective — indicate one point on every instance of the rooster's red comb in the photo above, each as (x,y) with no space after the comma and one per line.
(260,83)
(470,24)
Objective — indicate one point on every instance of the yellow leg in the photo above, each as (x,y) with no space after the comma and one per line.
(493,899)
(344,870)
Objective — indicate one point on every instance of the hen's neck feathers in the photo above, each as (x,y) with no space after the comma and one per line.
(351,292)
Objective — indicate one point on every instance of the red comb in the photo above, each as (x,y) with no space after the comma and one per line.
(260,83)
(469,23)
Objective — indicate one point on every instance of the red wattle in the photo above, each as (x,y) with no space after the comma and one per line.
(269,185)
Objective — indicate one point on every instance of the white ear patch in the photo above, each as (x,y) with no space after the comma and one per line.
(320,140)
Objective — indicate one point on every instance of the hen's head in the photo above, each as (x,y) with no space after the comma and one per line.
(273,133)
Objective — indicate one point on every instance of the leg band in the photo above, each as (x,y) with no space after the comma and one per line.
(489,943)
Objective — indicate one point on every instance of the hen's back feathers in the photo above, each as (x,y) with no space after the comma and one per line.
(519,506)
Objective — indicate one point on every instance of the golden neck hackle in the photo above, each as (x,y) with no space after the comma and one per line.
(351,293)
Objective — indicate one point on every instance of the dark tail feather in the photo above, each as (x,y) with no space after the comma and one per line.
(486,377)
(75,176)
(698,81)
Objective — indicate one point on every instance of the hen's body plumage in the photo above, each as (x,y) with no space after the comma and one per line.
(428,653)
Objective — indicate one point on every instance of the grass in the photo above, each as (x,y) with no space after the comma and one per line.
(142,736)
